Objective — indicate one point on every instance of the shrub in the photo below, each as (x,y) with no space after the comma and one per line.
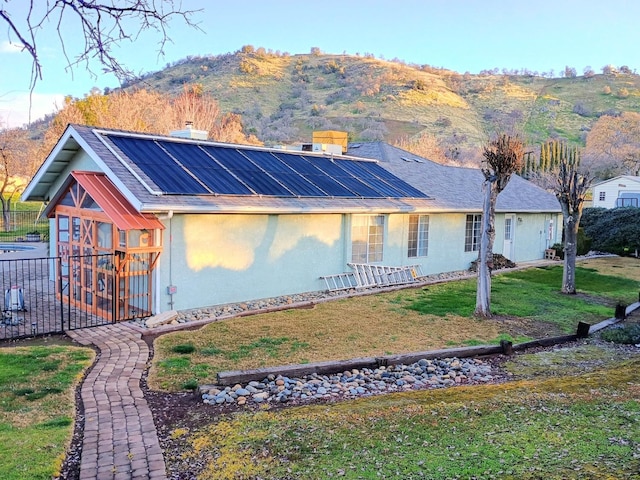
(627,334)
(191,384)
(615,231)
(184,348)
(559,248)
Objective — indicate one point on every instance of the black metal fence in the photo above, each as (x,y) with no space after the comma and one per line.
(39,299)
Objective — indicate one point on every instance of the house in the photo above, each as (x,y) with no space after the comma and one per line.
(621,191)
(179,223)
(528,218)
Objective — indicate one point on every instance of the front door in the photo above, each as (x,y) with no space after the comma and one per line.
(509,230)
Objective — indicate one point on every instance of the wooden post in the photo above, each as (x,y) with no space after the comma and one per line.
(583,330)
(621,312)
(507,347)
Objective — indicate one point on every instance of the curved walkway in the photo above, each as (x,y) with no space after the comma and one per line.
(120,438)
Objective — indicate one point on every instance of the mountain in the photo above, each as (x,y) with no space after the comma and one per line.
(282,98)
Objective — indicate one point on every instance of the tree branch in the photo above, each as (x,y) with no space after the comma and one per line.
(104,24)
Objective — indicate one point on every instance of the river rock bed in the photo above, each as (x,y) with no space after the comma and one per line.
(352,383)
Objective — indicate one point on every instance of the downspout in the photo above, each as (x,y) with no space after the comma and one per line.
(170,289)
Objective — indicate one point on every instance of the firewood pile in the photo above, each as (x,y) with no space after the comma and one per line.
(499,262)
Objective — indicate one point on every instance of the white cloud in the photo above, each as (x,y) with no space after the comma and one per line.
(14,107)
(9,47)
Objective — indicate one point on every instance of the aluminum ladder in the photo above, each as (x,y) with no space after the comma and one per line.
(366,275)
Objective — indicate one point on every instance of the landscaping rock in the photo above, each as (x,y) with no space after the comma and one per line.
(354,383)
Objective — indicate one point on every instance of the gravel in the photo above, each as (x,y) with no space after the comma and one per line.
(354,383)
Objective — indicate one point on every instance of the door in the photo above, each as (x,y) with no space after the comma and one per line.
(509,230)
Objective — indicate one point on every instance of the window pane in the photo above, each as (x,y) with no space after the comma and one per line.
(423,235)
(105,235)
(63,228)
(507,228)
(412,249)
(472,233)
(367,238)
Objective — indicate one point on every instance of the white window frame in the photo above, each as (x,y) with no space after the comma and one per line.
(602,196)
(367,238)
(418,241)
(472,233)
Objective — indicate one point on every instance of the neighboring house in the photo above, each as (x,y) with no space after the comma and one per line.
(194,223)
(621,191)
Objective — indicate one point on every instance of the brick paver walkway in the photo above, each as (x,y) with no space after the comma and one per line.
(120,438)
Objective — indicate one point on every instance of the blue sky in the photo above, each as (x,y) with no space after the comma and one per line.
(461,35)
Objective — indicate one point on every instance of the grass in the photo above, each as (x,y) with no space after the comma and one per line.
(576,426)
(527,304)
(37,408)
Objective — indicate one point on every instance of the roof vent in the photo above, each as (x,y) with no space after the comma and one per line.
(190,132)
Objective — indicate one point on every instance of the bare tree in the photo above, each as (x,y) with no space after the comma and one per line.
(571,189)
(503,157)
(613,145)
(100,24)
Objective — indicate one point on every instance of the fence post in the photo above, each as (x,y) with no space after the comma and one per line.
(507,347)
(58,273)
(583,330)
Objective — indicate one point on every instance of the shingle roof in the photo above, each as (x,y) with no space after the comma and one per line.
(131,181)
(455,188)
(452,189)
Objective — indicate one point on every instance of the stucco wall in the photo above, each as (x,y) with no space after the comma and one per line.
(217,259)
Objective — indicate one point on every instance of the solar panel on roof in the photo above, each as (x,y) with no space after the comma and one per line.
(280,170)
(158,166)
(354,184)
(400,185)
(360,170)
(211,173)
(251,175)
(196,169)
(315,175)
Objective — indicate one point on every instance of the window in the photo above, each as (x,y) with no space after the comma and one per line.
(602,196)
(626,202)
(367,238)
(418,236)
(472,233)
(508,228)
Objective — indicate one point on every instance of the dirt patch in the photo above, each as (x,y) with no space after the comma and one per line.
(524,327)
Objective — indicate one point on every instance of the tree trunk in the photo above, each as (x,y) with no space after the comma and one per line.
(485,254)
(570,253)
(6,214)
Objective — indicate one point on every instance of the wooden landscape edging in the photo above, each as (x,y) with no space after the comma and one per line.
(233,377)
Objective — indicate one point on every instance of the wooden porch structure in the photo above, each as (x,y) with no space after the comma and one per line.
(108,249)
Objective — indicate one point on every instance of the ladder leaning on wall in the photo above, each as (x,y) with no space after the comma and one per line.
(365,275)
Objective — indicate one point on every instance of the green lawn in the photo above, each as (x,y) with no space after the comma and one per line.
(568,426)
(37,408)
(527,304)
(566,413)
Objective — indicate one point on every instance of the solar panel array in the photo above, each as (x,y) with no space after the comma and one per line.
(199,169)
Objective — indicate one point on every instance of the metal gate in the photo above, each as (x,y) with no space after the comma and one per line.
(48,295)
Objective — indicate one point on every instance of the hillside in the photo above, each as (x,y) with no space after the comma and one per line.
(283,98)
